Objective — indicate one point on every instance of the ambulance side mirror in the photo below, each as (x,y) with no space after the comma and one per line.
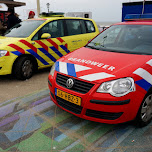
(45,36)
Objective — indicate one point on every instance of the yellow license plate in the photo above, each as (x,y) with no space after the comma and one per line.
(68,97)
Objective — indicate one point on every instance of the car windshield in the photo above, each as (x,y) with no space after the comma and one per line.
(24,29)
(132,39)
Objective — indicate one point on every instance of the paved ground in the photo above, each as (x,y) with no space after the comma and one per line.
(12,88)
(34,123)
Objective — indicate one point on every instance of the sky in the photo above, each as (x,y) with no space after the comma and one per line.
(102,10)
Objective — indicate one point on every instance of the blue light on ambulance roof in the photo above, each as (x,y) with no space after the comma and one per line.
(138,16)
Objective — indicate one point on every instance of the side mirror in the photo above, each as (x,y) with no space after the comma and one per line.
(45,36)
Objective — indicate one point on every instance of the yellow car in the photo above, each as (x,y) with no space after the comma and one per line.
(37,43)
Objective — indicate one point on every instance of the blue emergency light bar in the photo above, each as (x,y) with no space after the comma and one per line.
(138,16)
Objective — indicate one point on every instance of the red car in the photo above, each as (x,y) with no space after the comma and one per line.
(110,79)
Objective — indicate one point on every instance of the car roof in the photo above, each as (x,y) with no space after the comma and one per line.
(53,18)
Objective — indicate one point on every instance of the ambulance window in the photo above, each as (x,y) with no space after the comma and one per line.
(73,27)
(90,27)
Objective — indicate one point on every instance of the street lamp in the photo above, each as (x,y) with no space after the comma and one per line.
(48,6)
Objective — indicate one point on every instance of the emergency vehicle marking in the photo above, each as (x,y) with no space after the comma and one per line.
(146,82)
(45,49)
(69,68)
(53,43)
(16,53)
(29,45)
(100,65)
(37,56)
(47,54)
(65,48)
(72,69)
(56,51)
(22,51)
(150,62)
(96,76)
(43,45)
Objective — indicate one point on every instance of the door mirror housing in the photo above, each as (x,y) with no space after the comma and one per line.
(45,36)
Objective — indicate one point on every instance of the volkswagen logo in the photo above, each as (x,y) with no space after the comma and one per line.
(70,83)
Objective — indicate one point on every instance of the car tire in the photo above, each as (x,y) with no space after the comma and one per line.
(144,115)
(23,68)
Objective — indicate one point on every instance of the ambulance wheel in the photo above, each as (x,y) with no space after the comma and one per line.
(23,68)
(144,115)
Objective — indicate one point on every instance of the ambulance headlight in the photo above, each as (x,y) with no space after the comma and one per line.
(3,53)
(117,88)
(52,70)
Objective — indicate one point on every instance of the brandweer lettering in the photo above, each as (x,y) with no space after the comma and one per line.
(100,65)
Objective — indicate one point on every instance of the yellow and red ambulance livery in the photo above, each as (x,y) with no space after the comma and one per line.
(110,79)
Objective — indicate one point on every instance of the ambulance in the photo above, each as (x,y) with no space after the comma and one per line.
(110,79)
(37,43)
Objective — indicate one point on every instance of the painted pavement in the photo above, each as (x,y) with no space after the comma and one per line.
(34,123)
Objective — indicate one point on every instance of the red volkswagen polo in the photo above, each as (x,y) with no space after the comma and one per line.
(110,79)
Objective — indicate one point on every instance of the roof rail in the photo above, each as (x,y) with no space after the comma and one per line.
(138,17)
(52,14)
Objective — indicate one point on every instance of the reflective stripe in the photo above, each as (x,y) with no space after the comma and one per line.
(144,74)
(143,84)
(150,62)
(22,51)
(38,57)
(56,51)
(64,48)
(16,53)
(71,70)
(47,54)
(63,67)
(57,66)
(53,43)
(96,76)
(79,68)
(29,45)
(60,39)
(43,45)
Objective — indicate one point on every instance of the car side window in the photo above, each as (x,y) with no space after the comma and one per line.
(90,27)
(73,27)
(55,28)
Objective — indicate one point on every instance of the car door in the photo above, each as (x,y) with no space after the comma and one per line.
(79,32)
(49,50)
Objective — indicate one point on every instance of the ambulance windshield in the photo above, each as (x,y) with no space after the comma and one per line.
(132,39)
(24,29)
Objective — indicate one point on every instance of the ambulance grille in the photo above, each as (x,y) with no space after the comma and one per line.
(79,86)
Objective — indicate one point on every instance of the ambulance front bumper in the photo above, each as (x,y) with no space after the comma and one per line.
(6,63)
(98,107)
